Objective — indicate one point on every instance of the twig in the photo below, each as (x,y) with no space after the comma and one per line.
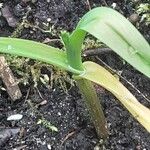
(47,40)
(67,137)
(39,93)
(27,95)
(97,51)
(9,80)
(88,4)
(105,2)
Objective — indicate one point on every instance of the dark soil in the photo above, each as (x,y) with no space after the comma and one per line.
(66,111)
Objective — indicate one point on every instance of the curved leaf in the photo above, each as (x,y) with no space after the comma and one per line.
(35,50)
(118,33)
(101,76)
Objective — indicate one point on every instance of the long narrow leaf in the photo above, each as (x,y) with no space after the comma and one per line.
(118,33)
(101,76)
(36,51)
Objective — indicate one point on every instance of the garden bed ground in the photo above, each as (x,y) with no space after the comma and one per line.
(65,109)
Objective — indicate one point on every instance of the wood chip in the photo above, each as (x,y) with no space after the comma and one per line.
(9,80)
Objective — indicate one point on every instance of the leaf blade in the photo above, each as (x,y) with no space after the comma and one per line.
(119,34)
(35,50)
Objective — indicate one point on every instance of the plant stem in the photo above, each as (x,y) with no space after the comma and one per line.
(94,106)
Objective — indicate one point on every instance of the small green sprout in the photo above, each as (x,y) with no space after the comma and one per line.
(144,10)
(47,124)
(112,29)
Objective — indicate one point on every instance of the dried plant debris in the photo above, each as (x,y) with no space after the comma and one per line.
(9,80)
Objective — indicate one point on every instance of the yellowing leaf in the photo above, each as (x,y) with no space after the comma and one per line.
(101,76)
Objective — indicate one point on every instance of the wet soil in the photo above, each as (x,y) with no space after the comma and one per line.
(66,111)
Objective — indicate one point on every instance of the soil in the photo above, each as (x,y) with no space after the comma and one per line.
(66,110)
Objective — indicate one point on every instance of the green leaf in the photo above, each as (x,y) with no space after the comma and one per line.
(101,76)
(73,47)
(118,33)
(36,51)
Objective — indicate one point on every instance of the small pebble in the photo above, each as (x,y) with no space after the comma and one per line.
(134,18)
(96,148)
(59,114)
(49,146)
(114,5)
(15,117)
(44,102)
(1,5)
(49,19)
